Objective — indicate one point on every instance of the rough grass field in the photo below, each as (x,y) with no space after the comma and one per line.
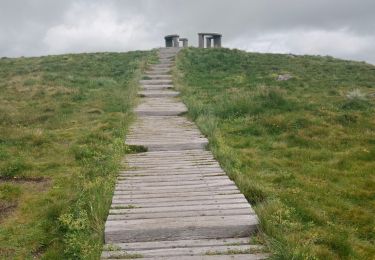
(62,125)
(301,150)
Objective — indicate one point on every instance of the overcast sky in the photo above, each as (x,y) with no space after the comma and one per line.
(341,28)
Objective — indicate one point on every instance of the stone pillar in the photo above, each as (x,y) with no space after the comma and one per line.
(176,43)
(200,40)
(217,41)
(171,40)
(209,42)
(168,42)
(184,42)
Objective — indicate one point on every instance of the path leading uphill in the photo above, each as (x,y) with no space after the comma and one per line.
(174,201)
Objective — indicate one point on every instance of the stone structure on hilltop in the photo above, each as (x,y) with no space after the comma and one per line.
(172,40)
(207,40)
(209,37)
(184,42)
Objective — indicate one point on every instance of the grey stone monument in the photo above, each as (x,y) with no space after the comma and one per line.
(172,40)
(215,37)
(184,42)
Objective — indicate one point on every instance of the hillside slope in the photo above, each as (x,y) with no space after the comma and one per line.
(62,125)
(302,150)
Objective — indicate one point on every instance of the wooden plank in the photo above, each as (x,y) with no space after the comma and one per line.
(119,203)
(175,229)
(173,166)
(217,185)
(192,159)
(182,243)
(160,175)
(174,170)
(181,214)
(220,181)
(156,87)
(190,197)
(176,194)
(166,103)
(156,192)
(176,162)
(201,160)
(156,72)
(158,93)
(160,112)
(216,257)
(159,76)
(179,208)
(259,256)
(167,179)
(175,146)
(184,251)
(155,81)
(172,153)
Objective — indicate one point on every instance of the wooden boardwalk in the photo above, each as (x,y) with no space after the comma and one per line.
(174,201)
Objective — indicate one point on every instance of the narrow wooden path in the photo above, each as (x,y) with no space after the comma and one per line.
(174,201)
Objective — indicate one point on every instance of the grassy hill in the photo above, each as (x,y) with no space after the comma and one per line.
(301,150)
(62,125)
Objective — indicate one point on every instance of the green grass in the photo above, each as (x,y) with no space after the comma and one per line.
(62,126)
(302,150)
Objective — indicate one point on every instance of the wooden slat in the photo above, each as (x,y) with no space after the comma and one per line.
(183,251)
(158,93)
(206,227)
(181,214)
(180,208)
(181,243)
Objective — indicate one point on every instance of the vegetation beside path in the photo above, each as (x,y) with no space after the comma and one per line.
(302,150)
(62,125)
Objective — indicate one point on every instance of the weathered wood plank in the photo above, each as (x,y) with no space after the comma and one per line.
(158,93)
(216,185)
(159,76)
(155,192)
(160,175)
(205,257)
(119,203)
(176,194)
(180,208)
(184,251)
(182,243)
(215,257)
(170,179)
(156,81)
(175,229)
(189,197)
(181,214)
(220,181)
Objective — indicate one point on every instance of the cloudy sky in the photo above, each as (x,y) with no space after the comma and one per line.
(341,28)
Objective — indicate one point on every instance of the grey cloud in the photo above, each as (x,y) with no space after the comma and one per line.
(39,27)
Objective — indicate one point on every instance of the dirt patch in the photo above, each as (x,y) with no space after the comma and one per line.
(6,209)
(6,253)
(28,186)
